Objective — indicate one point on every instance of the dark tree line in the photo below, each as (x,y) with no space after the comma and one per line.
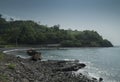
(30,32)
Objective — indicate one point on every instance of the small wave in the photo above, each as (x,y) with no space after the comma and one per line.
(7,51)
(69,59)
(91,71)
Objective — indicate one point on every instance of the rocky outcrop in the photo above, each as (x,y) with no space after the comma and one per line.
(31,52)
(74,67)
(25,70)
(34,54)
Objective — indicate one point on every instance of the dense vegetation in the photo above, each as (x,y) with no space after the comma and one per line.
(30,32)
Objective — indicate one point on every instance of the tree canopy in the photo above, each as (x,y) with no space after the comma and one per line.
(30,32)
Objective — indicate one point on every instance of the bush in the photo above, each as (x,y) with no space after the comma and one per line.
(106,43)
(68,43)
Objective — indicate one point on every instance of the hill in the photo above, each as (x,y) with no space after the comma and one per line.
(30,32)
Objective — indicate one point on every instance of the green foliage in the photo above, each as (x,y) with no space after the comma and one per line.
(1,56)
(3,78)
(11,66)
(69,43)
(29,32)
(106,43)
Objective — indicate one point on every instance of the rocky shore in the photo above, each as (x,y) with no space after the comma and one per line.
(16,69)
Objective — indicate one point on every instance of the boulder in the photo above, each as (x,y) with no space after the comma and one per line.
(35,55)
(31,52)
(71,68)
(100,79)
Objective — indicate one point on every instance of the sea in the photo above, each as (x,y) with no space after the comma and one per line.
(100,62)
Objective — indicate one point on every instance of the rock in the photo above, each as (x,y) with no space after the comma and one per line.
(94,78)
(100,79)
(25,80)
(42,71)
(31,52)
(11,79)
(35,55)
(36,81)
(72,67)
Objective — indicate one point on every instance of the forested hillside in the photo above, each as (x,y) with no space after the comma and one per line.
(30,32)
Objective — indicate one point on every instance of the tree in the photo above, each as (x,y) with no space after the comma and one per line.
(30,32)
(56,27)
(27,35)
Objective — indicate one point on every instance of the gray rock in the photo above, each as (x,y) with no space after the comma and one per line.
(25,80)
(42,71)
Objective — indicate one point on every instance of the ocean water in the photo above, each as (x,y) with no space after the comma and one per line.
(101,62)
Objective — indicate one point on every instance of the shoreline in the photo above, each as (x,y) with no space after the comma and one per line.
(50,64)
(28,47)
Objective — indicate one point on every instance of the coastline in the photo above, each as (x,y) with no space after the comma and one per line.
(41,71)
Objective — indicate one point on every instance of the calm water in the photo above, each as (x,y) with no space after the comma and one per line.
(101,62)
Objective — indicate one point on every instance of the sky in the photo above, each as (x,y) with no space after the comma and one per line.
(102,16)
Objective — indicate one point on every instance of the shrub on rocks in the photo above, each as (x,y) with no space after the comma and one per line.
(1,56)
(11,66)
(3,78)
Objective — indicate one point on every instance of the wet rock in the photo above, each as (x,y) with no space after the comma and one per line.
(100,79)
(35,55)
(31,52)
(71,68)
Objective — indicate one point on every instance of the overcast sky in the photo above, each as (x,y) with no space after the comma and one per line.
(102,16)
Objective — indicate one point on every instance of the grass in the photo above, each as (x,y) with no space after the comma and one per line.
(11,66)
(1,56)
(3,78)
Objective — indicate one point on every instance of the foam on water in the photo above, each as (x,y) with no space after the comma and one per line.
(14,51)
(8,51)
(86,71)
(91,71)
